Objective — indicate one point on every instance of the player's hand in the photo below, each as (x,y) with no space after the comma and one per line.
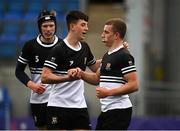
(37,87)
(75,73)
(102,92)
(126,45)
(79,71)
(72,72)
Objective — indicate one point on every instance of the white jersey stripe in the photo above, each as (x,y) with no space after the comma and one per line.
(126,68)
(49,62)
(50,65)
(22,61)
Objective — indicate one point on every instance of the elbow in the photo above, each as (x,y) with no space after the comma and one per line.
(17,73)
(136,87)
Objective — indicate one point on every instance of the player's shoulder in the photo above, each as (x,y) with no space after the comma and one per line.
(60,46)
(30,43)
(124,51)
(126,54)
(84,44)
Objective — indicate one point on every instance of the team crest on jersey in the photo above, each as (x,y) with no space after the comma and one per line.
(108,66)
(130,62)
(54,120)
(53,59)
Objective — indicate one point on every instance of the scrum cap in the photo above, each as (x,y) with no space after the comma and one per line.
(46,16)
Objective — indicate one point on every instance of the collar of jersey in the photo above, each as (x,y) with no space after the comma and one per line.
(75,49)
(47,45)
(110,52)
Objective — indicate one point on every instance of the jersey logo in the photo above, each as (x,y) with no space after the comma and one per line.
(71,62)
(54,120)
(53,59)
(108,66)
(130,62)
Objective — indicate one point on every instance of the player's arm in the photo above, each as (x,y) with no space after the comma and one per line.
(130,87)
(20,73)
(89,77)
(24,78)
(49,77)
(95,66)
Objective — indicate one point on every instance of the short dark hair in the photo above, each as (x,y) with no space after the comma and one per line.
(118,25)
(74,16)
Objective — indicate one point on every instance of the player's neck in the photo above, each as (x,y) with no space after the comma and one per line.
(116,45)
(47,40)
(72,41)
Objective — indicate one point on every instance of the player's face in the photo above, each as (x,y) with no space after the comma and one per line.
(108,36)
(80,29)
(48,29)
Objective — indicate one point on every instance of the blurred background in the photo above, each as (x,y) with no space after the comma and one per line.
(153,37)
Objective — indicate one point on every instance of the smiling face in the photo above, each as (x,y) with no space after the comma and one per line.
(80,29)
(48,30)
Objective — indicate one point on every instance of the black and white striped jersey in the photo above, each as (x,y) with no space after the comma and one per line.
(33,54)
(114,66)
(62,58)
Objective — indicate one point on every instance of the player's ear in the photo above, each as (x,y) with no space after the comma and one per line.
(117,35)
(72,25)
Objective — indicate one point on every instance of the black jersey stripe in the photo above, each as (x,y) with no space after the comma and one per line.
(114,81)
(113,77)
(60,72)
(35,69)
(110,79)
(36,72)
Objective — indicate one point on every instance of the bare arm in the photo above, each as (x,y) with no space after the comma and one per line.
(96,66)
(130,87)
(90,77)
(49,77)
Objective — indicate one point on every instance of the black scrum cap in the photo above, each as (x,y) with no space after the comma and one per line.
(46,16)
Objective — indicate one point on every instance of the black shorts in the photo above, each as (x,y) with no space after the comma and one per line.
(116,119)
(39,113)
(68,118)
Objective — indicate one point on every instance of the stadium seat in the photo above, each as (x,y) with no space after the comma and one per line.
(31,16)
(25,37)
(11,28)
(8,46)
(12,16)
